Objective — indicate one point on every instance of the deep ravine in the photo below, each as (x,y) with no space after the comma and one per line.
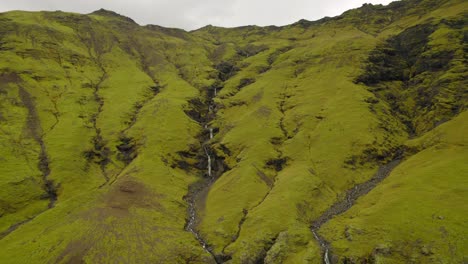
(345,204)
(96,51)
(212,171)
(99,142)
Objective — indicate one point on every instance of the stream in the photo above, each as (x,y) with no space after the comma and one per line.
(208,157)
(192,220)
(204,184)
(191,227)
(345,204)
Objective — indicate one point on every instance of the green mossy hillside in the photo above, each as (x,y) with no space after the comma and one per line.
(104,147)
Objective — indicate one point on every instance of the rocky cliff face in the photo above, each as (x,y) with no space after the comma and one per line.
(340,141)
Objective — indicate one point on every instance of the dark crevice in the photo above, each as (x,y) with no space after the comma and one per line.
(239,228)
(97,44)
(245,82)
(197,110)
(100,153)
(274,56)
(127,147)
(276,164)
(34,127)
(269,245)
(99,142)
(226,70)
(250,50)
(282,109)
(55,112)
(35,130)
(375,153)
(245,212)
(410,75)
(12,228)
(154,90)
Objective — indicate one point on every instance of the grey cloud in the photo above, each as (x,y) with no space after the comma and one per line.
(190,14)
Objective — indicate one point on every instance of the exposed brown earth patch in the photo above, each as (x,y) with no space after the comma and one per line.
(74,253)
(116,205)
(126,194)
(8,77)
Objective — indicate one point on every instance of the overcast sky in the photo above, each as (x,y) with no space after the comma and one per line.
(193,14)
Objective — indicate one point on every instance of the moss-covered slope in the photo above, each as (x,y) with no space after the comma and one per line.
(107,130)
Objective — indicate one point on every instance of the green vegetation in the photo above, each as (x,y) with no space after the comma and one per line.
(103,138)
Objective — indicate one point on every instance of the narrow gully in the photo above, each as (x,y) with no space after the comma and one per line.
(271,185)
(100,101)
(208,158)
(203,185)
(323,245)
(35,128)
(192,220)
(155,89)
(349,200)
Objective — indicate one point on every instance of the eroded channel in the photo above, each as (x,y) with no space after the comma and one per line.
(345,204)
(204,112)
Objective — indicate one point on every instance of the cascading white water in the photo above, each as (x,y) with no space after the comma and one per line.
(316,237)
(208,157)
(192,221)
(191,228)
(209,165)
(191,224)
(326,259)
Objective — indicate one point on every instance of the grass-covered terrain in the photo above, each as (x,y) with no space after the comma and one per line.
(105,138)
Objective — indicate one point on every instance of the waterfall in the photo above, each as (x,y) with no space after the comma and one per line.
(209,165)
(208,116)
(325,257)
(215,91)
(208,157)
(324,247)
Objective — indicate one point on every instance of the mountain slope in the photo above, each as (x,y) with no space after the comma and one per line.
(125,143)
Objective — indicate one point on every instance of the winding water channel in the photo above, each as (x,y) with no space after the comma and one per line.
(209,179)
(345,204)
